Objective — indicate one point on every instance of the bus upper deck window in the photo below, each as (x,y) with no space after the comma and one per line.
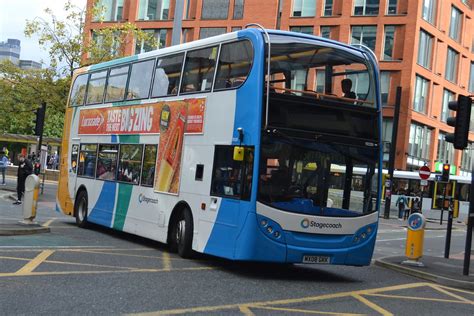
(199,70)
(78,91)
(235,62)
(96,87)
(116,84)
(140,80)
(167,75)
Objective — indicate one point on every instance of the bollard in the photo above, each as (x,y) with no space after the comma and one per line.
(415,238)
(31,198)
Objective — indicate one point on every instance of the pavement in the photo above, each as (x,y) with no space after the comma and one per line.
(436,269)
(16,224)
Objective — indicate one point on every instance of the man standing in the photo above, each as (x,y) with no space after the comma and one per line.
(25,168)
(3,166)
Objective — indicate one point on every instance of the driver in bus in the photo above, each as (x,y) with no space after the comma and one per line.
(346,85)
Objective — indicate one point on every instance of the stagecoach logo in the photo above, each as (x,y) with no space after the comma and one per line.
(306,223)
(143,199)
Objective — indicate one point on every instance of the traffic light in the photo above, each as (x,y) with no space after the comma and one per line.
(37,168)
(445,173)
(460,122)
(39,120)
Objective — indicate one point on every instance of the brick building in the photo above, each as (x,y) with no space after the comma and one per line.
(424,46)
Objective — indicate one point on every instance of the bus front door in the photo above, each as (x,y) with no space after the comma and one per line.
(72,167)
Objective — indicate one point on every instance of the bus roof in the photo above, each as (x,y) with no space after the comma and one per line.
(215,40)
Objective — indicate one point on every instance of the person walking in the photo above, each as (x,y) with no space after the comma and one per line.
(25,168)
(3,166)
(401,203)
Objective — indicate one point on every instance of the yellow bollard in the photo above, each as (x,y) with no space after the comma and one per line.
(415,238)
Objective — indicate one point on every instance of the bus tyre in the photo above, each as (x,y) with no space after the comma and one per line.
(184,234)
(80,209)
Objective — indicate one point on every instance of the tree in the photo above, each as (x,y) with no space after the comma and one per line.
(69,45)
(23,91)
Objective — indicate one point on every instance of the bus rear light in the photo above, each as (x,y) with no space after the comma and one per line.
(263,222)
(270,229)
(363,235)
(276,234)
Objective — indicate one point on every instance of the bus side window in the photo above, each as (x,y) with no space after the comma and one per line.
(167,75)
(96,87)
(130,163)
(235,62)
(140,80)
(107,162)
(199,70)
(78,91)
(116,84)
(87,160)
(232,178)
(149,162)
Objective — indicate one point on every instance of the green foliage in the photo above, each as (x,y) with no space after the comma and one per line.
(70,44)
(23,91)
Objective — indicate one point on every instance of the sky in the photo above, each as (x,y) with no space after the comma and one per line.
(13,16)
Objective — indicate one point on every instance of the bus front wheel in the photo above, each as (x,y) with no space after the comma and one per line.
(80,211)
(183,234)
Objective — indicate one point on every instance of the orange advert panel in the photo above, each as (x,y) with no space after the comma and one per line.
(140,119)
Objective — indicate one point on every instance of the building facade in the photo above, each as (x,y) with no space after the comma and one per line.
(10,50)
(424,46)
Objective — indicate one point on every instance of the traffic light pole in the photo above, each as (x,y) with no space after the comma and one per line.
(470,222)
(393,148)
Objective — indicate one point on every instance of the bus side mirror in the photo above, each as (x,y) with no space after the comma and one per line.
(238,153)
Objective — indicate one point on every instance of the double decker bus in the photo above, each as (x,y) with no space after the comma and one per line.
(242,146)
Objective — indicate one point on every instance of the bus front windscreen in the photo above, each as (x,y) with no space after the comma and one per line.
(314,178)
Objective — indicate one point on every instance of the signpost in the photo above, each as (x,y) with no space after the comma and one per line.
(424,172)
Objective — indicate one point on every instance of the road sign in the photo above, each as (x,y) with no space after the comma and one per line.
(423,183)
(424,172)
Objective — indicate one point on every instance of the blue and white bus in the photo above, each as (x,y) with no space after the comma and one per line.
(243,146)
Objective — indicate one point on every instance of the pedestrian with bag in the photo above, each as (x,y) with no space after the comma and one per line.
(25,168)
(3,166)
(401,203)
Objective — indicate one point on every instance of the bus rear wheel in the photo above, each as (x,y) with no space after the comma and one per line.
(183,234)
(80,209)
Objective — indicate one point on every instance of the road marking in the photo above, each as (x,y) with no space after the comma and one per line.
(34,263)
(284,301)
(49,222)
(166,261)
(463,299)
(129,255)
(456,290)
(246,310)
(304,311)
(374,306)
(47,273)
(442,300)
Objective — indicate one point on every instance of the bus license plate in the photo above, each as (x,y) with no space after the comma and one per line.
(316,259)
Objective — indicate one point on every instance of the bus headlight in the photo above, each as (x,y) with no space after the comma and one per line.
(270,228)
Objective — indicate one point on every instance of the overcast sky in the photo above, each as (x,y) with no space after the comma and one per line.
(13,16)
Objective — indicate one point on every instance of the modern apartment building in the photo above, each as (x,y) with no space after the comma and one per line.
(11,49)
(424,46)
